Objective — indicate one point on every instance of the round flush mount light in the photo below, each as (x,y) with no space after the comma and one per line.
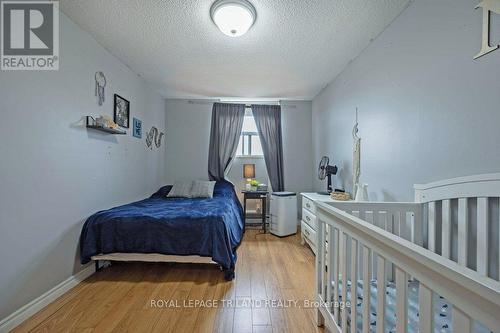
(233,17)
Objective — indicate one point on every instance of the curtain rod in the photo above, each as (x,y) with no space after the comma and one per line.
(283,103)
(248,103)
(203,102)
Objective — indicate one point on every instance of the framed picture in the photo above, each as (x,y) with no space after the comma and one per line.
(122,111)
(137,130)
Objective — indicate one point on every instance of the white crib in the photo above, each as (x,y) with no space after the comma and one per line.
(439,254)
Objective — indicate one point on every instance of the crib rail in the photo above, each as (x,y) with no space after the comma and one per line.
(462,219)
(403,219)
(350,242)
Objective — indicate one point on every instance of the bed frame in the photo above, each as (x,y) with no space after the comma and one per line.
(150,257)
(441,240)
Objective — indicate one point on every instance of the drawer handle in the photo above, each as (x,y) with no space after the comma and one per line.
(308,205)
(308,218)
(307,232)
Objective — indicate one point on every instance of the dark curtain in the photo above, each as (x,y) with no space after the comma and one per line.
(227,122)
(268,120)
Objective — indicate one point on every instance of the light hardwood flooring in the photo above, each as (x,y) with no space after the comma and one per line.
(119,298)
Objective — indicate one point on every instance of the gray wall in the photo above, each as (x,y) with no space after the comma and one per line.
(297,143)
(187,138)
(54,173)
(428,111)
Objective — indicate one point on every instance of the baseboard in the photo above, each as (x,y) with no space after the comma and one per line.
(28,310)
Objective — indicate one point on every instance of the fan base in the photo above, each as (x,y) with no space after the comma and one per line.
(323,193)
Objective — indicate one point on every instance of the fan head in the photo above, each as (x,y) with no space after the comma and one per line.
(322,167)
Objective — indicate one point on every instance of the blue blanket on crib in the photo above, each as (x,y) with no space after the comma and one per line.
(174,226)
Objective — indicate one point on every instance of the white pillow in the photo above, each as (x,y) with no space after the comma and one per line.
(202,189)
(180,190)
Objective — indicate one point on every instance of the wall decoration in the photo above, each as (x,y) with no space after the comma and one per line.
(356,158)
(154,136)
(137,130)
(488,6)
(122,111)
(100,83)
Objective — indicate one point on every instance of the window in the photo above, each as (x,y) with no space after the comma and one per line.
(249,144)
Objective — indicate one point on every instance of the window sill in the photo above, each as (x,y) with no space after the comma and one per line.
(250,156)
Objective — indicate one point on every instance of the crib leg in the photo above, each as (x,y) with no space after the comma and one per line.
(320,321)
(97,268)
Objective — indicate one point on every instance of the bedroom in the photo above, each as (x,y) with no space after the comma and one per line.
(107,104)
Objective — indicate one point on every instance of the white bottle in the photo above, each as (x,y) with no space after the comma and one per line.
(362,192)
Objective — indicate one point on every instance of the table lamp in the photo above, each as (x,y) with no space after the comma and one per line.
(248,173)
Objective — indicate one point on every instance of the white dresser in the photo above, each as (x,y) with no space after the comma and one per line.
(308,223)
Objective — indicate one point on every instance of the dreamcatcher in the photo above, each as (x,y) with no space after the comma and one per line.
(100,83)
(356,158)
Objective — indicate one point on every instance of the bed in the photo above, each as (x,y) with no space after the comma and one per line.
(199,230)
(432,265)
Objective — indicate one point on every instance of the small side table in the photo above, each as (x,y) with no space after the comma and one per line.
(255,195)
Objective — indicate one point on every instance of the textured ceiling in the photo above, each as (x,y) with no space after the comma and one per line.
(293,50)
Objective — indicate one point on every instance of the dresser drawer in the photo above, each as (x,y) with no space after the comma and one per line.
(308,204)
(309,234)
(309,218)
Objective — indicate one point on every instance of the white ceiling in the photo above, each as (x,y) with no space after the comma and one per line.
(293,50)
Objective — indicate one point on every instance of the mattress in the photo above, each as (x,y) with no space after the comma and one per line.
(442,309)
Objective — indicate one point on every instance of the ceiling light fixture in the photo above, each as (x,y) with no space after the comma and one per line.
(233,17)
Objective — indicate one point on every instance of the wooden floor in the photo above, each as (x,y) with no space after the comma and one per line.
(119,298)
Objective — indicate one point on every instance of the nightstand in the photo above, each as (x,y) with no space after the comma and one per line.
(255,195)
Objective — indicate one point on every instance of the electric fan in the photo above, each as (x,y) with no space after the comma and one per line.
(326,171)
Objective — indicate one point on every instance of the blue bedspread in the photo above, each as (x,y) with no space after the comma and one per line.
(176,226)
